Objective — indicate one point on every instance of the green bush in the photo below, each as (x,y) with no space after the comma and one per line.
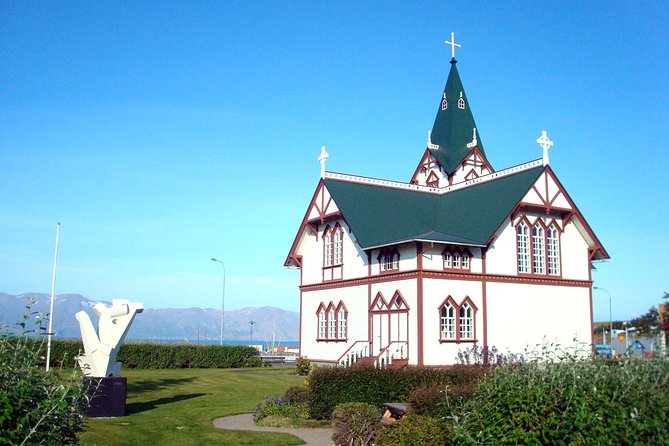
(274,407)
(302,366)
(416,430)
(356,424)
(297,395)
(427,399)
(576,402)
(37,407)
(331,386)
(154,355)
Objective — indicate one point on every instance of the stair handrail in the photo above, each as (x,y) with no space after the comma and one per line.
(385,350)
(365,341)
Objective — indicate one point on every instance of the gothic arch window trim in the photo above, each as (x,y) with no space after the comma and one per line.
(539,247)
(456,258)
(389,260)
(457,322)
(332,322)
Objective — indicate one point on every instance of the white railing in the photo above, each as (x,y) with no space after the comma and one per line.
(434,190)
(359,349)
(393,351)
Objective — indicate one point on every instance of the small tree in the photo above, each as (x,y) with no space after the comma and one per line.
(36,407)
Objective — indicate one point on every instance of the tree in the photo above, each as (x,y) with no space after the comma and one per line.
(647,322)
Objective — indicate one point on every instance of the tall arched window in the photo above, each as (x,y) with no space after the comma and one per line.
(341,323)
(338,245)
(466,321)
(327,250)
(538,249)
(523,239)
(553,251)
(322,327)
(447,321)
(332,324)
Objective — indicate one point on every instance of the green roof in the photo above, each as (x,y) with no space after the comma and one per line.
(453,126)
(382,216)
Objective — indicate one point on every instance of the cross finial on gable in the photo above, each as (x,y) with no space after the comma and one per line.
(545,144)
(322,158)
(453,45)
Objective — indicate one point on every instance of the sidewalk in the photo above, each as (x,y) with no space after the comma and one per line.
(244,422)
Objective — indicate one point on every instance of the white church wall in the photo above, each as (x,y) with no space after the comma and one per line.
(435,291)
(575,264)
(355,300)
(501,256)
(525,315)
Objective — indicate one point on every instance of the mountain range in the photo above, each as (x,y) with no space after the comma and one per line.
(160,324)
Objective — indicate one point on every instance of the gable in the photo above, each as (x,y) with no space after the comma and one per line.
(546,193)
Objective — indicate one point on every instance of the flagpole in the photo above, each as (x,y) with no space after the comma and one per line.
(53,291)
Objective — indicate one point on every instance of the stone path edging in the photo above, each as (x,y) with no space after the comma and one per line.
(244,422)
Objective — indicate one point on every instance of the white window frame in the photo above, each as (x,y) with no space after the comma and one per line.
(523,245)
(538,249)
(466,315)
(322,324)
(553,243)
(448,324)
(332,324)
(338,255)
(341,323)
(327,254)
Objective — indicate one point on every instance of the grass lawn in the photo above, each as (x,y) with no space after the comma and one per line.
(176,407)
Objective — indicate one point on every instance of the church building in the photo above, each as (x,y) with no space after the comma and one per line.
(460,255)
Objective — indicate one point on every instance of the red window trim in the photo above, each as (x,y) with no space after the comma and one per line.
(381,259)
(327,309)
(460,251)
(530,226)
(456,307)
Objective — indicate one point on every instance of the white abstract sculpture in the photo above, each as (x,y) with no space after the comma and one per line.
(101,347)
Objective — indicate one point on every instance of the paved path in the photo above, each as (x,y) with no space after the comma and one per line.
(244,422)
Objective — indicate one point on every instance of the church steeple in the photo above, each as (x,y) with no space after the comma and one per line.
(454,134)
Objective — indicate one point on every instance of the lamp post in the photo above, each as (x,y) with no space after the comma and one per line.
(252,324)
(214,259)
(610,319)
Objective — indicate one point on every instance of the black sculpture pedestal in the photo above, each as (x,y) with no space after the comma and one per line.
(107,396)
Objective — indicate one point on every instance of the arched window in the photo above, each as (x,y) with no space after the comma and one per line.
(389,260)
(322,324)
(332,324)
(444,103)
(523,241)
(456,260)
(448,260)
(553,251)
(338,245)
(465,261)
(448,321)
(466,321)
(341,323)
(461,102)
(538,249)
(327,250)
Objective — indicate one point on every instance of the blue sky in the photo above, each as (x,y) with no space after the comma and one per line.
(161,134)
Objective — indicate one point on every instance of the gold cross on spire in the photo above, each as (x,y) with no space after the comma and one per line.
(453,45)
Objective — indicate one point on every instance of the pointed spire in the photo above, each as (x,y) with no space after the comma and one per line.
(454,124)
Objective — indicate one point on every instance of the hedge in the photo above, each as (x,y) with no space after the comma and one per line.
(331,386)
(154,355)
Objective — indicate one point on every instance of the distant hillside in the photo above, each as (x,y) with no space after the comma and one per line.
(160,323)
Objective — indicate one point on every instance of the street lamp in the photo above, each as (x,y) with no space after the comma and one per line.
(214,259)
(252,324)
(610,319)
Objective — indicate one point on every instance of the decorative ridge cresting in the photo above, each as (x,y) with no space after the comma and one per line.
(434,190)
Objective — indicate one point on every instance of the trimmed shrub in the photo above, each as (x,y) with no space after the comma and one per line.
(274,407)
(302,366)
(37,407)
(331,386)
(416,430)
(427,399)
(581,402)
(297,395)
(154,355)
(356,424)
